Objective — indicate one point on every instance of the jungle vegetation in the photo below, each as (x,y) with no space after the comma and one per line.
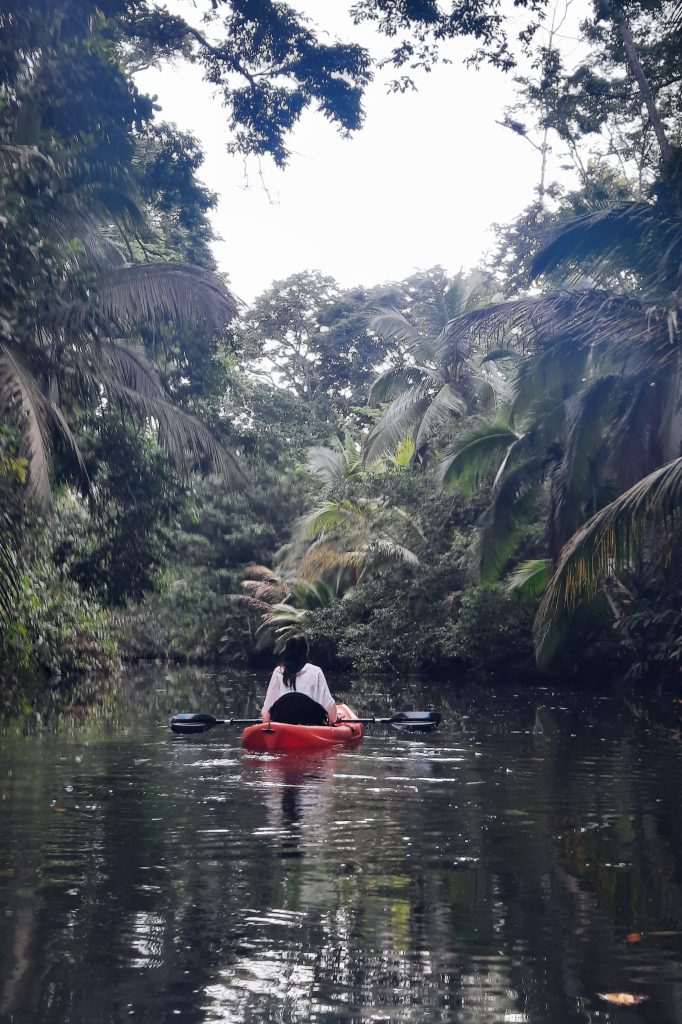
(479,472)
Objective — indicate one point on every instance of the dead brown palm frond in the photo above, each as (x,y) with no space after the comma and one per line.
(269,588)
(323,557)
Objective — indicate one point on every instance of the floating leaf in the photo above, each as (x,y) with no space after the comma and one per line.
(634,937)
(7,873)
(622,998)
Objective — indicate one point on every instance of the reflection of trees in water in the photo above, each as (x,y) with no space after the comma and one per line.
(397,881)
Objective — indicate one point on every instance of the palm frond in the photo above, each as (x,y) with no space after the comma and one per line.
(584,317)
(335,464)
(328,515)
(503,523)
(613,540)
(184,437)
(10,569)
(64,439)
(133,368)
(476,456)
(324,557)
(390,551)
(25,406)
(547,378)
(575,480)
(629,236)
(404,453)
(530,578)
(150,293)
(83,239)
(400,420)
(394,382)
(391,325)
(312,593)
(443,407)
(326,464)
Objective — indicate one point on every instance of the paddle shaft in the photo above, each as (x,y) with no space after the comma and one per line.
(237,721)
(411,720)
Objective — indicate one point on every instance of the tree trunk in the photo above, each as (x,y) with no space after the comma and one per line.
(607,11)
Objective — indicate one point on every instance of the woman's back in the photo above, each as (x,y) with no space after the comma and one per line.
(297,674)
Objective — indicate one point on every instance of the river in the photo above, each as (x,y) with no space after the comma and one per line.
(521,864)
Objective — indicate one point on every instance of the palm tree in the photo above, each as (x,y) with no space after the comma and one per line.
(427,390)
(598,392)
(336,464)
(284,601)
(74,336)
(75,310)
(351,537)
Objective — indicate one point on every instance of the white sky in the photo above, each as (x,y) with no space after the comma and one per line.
(420,184)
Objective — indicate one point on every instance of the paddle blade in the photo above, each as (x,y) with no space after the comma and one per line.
(416,721)
(187,724)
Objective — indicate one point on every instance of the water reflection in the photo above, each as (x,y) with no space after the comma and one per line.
(510,867)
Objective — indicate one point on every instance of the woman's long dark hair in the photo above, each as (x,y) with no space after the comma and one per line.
(293,658)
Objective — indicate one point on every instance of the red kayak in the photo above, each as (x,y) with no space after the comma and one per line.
(281,738)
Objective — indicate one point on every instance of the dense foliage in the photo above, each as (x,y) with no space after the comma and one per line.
(410,472)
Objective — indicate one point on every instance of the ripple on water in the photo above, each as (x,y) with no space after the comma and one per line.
(488,874)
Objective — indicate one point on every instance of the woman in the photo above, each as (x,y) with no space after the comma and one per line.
(295,673)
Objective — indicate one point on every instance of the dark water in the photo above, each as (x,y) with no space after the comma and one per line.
(508,868)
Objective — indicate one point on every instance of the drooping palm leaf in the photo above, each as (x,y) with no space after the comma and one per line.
(10,569)
(530,578)
(326,556)
(184,437)
(339,462)
(629,236)
(585,316)
(476,456)
(395,382)
(24,405)
(388,550)
(502,524)
(576,479)
(133,368)
(41,424)
(548,378)
(329,515)
(400,420)
(393,326)
(613,539)
(150,293)
(445,405)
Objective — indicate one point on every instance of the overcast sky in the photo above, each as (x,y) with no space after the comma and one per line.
(420,184)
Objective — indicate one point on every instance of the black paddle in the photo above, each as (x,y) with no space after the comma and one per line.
(405,721)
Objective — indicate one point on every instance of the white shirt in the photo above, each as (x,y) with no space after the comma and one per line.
(310,680)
